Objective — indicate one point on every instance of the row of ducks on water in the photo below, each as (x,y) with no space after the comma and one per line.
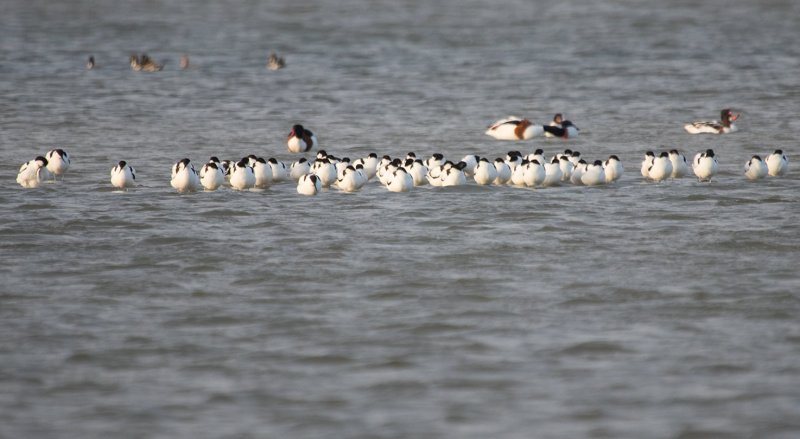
(143,63)
(515,128)
(403,174)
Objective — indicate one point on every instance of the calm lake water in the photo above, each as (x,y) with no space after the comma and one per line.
(635,310)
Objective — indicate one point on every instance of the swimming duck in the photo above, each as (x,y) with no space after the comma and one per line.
(565,131)
(184,63)
(755,168)
(144,64)
(90,63)
(723,126)
(514,128)
(31,174)
(556,122)
(275,62)
(123,175)
(777,163)
(301,139)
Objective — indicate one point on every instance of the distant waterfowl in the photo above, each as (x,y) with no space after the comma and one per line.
(57,162)
(755,168)
(309,184)
(777,163)
(300,139)
(613,168)
(212,176)
(123,175)
(90,63)
(723,126)
(514,128)
(184,177)
(184,63)
(275,62)
(661,169)
(144,63)
(705,165)
(680,167)
(556,122)
(567,130)
(31,174)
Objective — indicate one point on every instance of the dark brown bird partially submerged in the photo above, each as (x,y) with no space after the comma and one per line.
(275,62)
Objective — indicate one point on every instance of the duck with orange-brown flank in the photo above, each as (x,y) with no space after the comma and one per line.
(514,128)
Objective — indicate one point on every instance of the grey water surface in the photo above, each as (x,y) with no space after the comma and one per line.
(634,310)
